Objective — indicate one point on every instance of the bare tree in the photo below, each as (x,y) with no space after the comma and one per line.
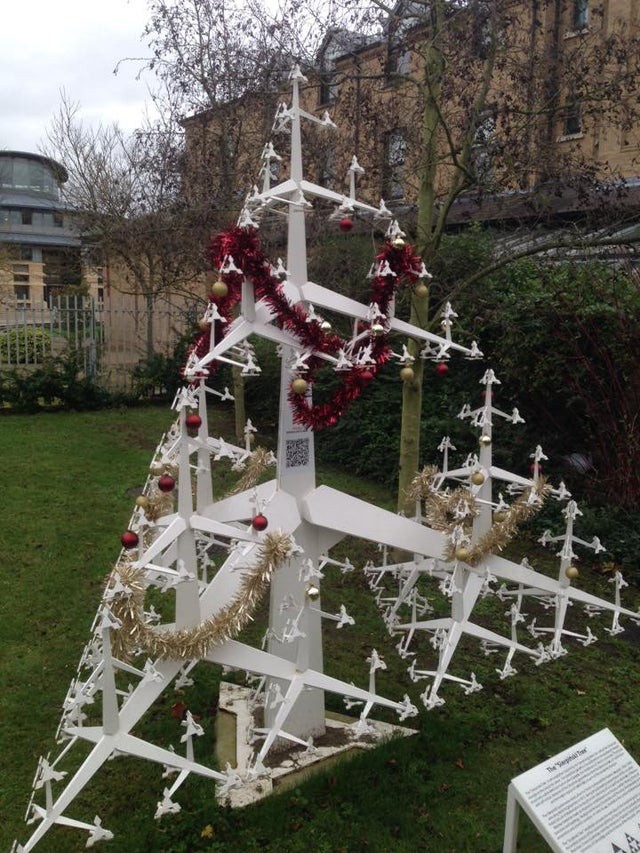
(127,201)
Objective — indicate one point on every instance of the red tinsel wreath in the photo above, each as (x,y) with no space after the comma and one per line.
(396,263)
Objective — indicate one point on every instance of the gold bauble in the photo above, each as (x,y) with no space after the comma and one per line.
(220,289)
(477,478)
(156,469)
(485,439)
(571,572)
(462,554)
(203,325)
(250,437)
(499,516)
(406,374)
(142,501)
(299,385)
(421,290)
(325,325)
(377,329)
(312,592)
(398,243)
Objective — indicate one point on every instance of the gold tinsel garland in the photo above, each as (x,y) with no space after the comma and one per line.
(502,532)
(135,633)
(441,509)
(157,505)
(258,462)
(444,511)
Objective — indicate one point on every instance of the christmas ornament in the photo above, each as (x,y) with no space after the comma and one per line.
(462,554)
(366,375)
(129,539)
(377,329)
(477,478)
(407,374)
(142,501)
(193,423)
(346,224)
(421,290)
(260,522)
(499,516)
(571,572)
(299,385)
(392,268)
(325,325)
(220,289)
(156,469)
(398,243)
(485,440)
(203,325)
(442,368)
(166,483)
(312,592)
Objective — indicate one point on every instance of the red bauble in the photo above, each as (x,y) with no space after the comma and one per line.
(442,368)
(166,483)
(193,423)
(260,522)
(532,468)
(346,223)
(367,375)
(129,539)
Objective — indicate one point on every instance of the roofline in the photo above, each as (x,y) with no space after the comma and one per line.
(58,169)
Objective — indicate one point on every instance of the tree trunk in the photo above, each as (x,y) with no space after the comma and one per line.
(409,455)
(150,304)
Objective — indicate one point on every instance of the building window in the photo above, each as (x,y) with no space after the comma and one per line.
(395,155)
(482,150)
(58,220)
(572,119)
(328,90)
(21,273)
(26,217)
(26,253)
(22,295)
(397,60)
(326,172)
(580,18)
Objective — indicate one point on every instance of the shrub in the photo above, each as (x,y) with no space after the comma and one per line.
(24,345)
(58,383)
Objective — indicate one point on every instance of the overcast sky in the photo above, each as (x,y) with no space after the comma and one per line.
(49,45)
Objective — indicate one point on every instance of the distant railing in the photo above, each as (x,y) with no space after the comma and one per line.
(107,339)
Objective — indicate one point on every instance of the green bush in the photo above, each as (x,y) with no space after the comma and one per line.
(57,383)
(24,345)
(159,376)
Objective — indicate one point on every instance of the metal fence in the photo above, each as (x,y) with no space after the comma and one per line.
(107,339)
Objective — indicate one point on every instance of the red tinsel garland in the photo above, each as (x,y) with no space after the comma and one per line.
(396,263)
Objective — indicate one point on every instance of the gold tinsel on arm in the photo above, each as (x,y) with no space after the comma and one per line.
(502,532)
(441,509)
(192,643)
(258,462)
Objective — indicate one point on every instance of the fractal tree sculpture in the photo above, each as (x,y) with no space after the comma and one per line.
(220,555)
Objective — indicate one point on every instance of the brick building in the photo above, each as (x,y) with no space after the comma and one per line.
(534,115)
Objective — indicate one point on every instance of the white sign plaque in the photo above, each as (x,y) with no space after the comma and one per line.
(583,800)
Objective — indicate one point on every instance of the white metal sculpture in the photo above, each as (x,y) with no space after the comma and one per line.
(172,548)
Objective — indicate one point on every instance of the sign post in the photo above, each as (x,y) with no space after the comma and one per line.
(583,800)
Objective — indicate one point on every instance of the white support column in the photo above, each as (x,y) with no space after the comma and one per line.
(296,476)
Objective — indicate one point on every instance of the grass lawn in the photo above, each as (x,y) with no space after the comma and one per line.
(69,482)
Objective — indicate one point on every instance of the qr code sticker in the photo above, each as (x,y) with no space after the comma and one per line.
(297,452)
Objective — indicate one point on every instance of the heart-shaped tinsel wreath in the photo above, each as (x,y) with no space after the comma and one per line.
(237,254)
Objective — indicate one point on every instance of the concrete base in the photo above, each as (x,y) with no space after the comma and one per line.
(290,766)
